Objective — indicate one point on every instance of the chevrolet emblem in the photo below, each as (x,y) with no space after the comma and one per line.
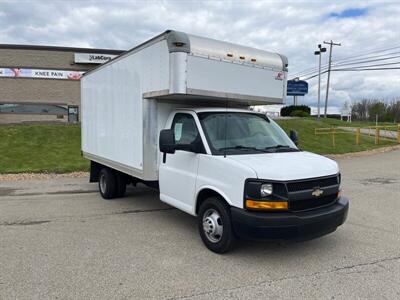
(317,192)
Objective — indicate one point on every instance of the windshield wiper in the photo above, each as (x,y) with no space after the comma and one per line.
(282,147)
(241,147)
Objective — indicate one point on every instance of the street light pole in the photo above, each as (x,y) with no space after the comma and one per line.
(318,52)
(319,84)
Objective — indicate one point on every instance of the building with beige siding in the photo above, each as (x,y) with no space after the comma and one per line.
(42,83)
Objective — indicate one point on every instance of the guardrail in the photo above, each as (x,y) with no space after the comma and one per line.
(387,132)
(390,132)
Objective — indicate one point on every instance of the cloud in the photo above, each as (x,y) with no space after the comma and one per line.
(291,28)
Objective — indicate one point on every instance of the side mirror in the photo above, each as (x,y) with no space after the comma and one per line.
(167,141)
(294,137)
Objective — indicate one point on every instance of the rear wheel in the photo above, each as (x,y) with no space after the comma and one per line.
(214,223)
(107,183)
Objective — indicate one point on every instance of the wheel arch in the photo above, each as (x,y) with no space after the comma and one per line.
(207,192)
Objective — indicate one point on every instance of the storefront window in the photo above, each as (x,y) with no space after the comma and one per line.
(13,108)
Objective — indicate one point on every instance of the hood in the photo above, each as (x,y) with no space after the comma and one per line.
(286,166)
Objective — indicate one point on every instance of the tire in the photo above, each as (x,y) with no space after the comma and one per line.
(121,184)
(214,224)
(107,183)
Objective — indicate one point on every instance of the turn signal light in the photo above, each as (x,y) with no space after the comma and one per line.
(267,205)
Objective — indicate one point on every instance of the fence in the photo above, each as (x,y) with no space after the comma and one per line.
(389,132)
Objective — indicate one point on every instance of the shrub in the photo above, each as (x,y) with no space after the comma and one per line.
(286,111)
(299,113)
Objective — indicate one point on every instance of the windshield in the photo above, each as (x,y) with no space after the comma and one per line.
(243,133)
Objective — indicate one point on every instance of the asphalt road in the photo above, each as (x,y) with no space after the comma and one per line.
(60,240)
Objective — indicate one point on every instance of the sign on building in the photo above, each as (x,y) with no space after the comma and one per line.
(40,73)
(92,58)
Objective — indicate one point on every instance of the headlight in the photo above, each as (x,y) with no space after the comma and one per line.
(266,190)
(259,195)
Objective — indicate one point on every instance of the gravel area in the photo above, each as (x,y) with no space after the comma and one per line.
(41,176)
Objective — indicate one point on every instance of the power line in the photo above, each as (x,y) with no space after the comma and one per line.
(358,61)
(367,69)
(359,56)
(373,56)
(315,75)
(366,61)
(376,65)
(359,64)
(312,72)
(354,69)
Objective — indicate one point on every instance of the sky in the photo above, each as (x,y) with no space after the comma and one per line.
(292,28)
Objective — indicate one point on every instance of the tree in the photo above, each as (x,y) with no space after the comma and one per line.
(376,108)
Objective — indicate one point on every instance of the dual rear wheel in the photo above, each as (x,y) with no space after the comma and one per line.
(112,184)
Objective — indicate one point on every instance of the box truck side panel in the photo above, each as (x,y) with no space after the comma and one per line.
(224,78)
(112,106)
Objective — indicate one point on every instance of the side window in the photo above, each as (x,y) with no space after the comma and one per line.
(185,129)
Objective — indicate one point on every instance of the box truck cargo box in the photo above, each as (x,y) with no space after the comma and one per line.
(173,114)
(126,101)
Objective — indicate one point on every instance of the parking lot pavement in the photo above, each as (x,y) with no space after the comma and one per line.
(59,239)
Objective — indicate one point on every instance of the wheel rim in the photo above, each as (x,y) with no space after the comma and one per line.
(212,225)
(103,183)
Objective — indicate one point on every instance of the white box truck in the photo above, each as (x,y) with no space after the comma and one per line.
(173,113)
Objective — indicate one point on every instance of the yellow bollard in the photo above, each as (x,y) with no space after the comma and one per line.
(358,136)
(376,136)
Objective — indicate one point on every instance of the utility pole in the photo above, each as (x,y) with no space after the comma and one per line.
(318,52)
(331,44)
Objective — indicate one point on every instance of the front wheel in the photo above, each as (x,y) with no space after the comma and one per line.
(214,223)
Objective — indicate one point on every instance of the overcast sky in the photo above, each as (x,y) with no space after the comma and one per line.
(293,28)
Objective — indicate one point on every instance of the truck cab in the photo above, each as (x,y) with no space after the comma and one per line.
(242,176)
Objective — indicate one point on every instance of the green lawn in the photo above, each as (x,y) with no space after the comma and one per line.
(56,148)
(41,148)
(322,144)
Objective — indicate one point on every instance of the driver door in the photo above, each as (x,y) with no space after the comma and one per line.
(177,176)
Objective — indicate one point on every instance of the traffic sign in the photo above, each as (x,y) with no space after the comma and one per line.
(297,88)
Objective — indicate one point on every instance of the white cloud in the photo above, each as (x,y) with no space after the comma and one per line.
(290,28)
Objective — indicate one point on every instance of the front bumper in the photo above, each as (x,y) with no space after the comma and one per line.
(296,226)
